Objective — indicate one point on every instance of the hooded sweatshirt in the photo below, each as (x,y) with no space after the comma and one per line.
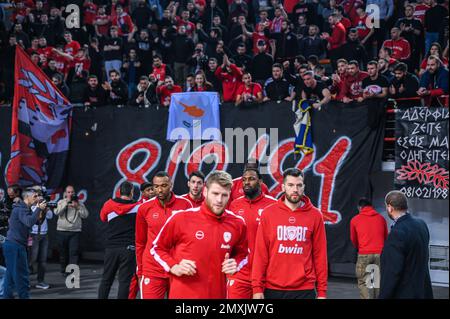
(290,249)
(230,82)
(120,214)
(199,235)
(368,231)
(20,222)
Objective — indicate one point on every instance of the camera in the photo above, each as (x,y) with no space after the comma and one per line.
(74,198)
(48,199)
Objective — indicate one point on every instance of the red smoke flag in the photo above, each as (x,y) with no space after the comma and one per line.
(40,128)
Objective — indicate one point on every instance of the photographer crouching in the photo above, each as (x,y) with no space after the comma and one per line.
(15,247)
(70,213)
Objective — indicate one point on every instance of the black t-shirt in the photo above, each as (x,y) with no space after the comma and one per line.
(434,17)
(113,54)
(316,92)
(380,82)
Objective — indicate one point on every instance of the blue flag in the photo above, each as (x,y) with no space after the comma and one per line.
(194,116)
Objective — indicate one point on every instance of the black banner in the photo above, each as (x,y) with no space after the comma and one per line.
(109,145)
(421,152)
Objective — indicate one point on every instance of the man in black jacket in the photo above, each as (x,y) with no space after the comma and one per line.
(405,257)
(117,89)
(183,48)
(261,63)
(94,94)
(287,43)
(312,44)
(277,88)
(403,85)
(120,214)
(353,49)
(146,93)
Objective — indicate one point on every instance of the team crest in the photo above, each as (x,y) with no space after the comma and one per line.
(291,232)
(227,236)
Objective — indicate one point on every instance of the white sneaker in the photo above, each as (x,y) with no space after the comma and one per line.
(42,285)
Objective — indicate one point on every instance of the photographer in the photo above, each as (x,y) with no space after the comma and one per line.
(70,213)
(15,247)
(39,237)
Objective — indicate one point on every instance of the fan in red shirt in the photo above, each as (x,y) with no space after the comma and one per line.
(71,46)
(352,88)
(419,11)
(165,91)
(364,33)
(338,35)
(201,246)
(337,87)
(368,232)
(401,49)
(195,184)
(248,92)
(45,52)
(249,207)
(160,70)
(339,10)
(123,22)
(290,259)
(231,77)
(79,64)
(184,20)
(151,216)
(102,22)
(90,11)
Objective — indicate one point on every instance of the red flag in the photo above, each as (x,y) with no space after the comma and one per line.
(40,128)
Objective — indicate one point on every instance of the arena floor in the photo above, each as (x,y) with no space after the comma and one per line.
(339,288)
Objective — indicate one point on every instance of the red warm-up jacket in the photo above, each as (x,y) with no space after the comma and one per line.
(230,82)
(291,249)
(250,210)
(199,235)
(195,202)
(237,190)
(150,219)
(368,231)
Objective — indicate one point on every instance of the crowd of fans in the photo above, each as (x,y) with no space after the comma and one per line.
(138,52)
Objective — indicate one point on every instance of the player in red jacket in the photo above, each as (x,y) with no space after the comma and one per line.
(231,77)
(151,216)
(290,260)
(202,245)
(249,207)
(195,184)
(368,231)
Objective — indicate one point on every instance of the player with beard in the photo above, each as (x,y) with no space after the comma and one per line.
(151,216)
(195,184)
(249,207)
(290,260)
(237,190)
(201,246)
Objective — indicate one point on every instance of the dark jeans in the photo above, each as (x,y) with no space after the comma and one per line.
(69,243)
(16,270)
(123,260)
(39,251)
(289,294)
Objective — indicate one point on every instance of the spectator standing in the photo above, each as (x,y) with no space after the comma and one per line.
(312,44)
(231,77)
(315,91)
(113,51)
(403,85)
(375,86)
(183,48)
(368,231)
(201,84)
(353,49)
(386,10)
(132,71)
(337,38)
(434,17)
(401,49)
(70,212)
(249,93)
(352,89)
(262,63)
(210,74)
